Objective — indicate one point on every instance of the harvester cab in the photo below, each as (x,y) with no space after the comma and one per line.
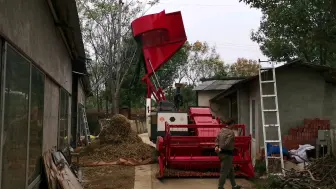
(184,140)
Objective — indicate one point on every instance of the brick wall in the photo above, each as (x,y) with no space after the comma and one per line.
(305,134)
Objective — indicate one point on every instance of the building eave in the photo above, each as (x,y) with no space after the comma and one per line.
(66,20)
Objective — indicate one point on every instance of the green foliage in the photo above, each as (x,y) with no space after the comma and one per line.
(297,29)
(108,41)
(273,182)
(189,96)
(244,67)
(170,71)
(203,62)
(260,167)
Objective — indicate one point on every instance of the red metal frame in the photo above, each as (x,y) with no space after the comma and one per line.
(161,36)
(185,152)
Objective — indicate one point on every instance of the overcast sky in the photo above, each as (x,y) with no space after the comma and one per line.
(226,24)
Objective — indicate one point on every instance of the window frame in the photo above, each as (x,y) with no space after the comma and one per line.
(3,62)
(38,178)
(3,107)
(68,96)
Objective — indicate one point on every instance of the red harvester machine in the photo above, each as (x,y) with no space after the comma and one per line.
(185,149)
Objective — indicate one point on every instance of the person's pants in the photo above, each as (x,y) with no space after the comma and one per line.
(226,170)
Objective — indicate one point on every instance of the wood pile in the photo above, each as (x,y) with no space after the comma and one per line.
(58,172)
(319,174)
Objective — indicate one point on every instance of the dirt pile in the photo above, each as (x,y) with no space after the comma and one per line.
(118,130)
(118,140)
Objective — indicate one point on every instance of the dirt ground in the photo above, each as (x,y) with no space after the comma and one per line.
(108,177)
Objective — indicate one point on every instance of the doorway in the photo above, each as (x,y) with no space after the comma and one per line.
(253,126)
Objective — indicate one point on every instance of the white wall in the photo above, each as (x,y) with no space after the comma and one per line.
(205,96)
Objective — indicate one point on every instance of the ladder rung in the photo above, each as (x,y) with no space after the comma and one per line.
(272,141)
(272,125)
(272,95)
(276,174)
(267,68)
(268,81)
(270,110)
(273,157)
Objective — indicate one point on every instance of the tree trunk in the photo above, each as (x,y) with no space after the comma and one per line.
(97,99)
(100,103)
(106,105)
(106,98)
(115,102)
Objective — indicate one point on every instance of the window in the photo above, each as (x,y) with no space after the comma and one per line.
(22,121)
(36,124)
(63,119)
(15,127)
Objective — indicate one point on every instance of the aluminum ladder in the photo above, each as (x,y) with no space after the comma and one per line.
(262,82)
(86,127)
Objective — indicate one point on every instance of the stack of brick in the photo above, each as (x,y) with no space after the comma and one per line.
(306,134)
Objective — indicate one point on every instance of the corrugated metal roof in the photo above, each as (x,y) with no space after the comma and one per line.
(215,85)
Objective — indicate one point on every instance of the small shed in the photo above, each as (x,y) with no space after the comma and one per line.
(209,88)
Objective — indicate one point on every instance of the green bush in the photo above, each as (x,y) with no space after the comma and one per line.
(260,167)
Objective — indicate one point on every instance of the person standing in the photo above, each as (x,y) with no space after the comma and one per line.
(224,148)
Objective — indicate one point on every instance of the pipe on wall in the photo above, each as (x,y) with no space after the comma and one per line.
(56,19)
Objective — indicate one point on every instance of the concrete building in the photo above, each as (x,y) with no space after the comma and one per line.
(43,80)
(304,91)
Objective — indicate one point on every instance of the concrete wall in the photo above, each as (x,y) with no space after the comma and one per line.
(221,108)
(81,94)
(204,97)
(302,93)
(50,120)
(30,26)
(333,141)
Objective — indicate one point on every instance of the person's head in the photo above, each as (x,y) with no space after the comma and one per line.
(230,123)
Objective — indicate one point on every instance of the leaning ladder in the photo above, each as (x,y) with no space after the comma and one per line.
(263,72)
(86,127)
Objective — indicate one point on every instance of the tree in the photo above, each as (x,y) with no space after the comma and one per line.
(134,91)
(244,67)
(203,62)
(297,29)
(189,96)
(106,32)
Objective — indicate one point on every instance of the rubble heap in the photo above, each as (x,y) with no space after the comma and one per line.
(319,174)
(118,140)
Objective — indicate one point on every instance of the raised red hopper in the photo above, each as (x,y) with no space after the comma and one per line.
(161,36)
